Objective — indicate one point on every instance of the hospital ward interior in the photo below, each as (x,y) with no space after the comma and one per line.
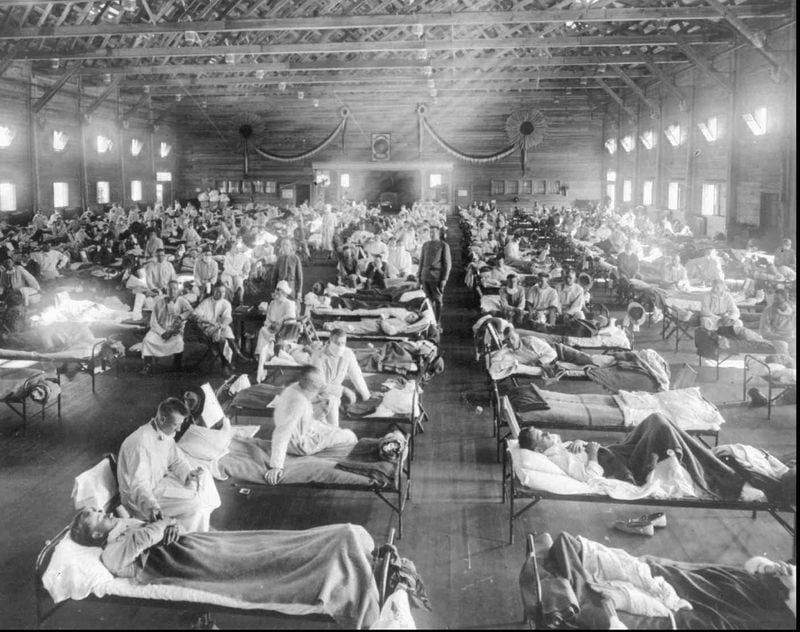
(410,314)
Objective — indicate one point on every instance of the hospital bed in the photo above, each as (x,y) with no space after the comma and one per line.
(718,348)
(26,386)
(534,487)
(776,377)
(66,571)
(720,596)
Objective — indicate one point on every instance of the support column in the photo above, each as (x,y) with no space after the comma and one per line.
(84,176)
(33,137)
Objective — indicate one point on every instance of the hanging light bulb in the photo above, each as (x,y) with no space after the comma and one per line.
(422,54)
(204,104)
(54,63)
(316,103)
(178,97)
(106,78)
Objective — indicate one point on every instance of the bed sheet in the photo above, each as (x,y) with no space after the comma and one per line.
(14,378)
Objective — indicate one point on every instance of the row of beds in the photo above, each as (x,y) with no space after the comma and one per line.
(246,460)
(518,402)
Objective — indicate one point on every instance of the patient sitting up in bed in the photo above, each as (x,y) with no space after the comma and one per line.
(534,351)
(296,431)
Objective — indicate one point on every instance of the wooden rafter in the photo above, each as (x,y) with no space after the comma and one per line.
(112,87)
(617,99)
(703,63)
(663,78)
(628,79)
(53,90)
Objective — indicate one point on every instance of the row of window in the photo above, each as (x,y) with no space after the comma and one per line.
(320,178)
(103,144)
(710,194)
(677,134)
(525,187)
(8,192)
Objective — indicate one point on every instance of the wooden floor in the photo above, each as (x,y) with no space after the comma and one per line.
(455,524)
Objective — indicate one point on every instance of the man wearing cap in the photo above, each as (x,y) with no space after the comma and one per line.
(512,299)
(572,297)
(718,309)
(159,273)
(206,271)
(434,269)
(165,336)
(277,311)
(542,301)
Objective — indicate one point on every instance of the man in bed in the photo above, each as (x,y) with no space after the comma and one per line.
(296,431)
(778,323)
(337,363)
(156,480)
(718,308)
(542,301)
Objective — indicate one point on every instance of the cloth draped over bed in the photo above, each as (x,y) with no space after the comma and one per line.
(325,570)
(721,597)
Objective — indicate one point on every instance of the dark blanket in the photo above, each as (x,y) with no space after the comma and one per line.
(326,570)
(367,459)
(652,441)
(710,344)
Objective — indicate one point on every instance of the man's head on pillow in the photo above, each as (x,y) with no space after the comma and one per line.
(90,527)
(536,440)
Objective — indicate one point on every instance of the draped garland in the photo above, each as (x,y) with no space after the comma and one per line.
(340,129)
(477,160)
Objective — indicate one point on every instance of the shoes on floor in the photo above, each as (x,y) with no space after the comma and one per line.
(757,398)
(635,527)
(658,520)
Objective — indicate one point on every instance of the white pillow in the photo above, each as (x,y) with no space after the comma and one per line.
(74,571)
(205,444)
(530,460)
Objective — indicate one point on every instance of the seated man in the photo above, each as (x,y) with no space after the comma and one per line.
(542,301)
(572,297)
(348,267)
(206,271)
(786,260)
(50,262)
(14,279)
(398,260)
(156,480)
(718,309)
(214,316)
(779,324)
(706,269)
(165,336)
(337,363)
(235,269)
(296,431)
(278,310)
(674,275)
(628,263)
(512,299)
(376,273)
(159,273)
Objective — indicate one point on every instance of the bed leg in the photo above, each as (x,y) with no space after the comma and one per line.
(755,515)
(24,418)
(91,369)
(511,511)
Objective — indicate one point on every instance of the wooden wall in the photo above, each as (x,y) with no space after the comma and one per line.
(33,166)
(745,166)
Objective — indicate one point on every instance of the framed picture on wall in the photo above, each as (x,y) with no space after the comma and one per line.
(512,187)
(287,193)
(246,186)
(498,187)
(527,187)
(553,187)
(540,186)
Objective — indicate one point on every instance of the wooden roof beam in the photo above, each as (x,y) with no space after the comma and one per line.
(8,59)
(103,96)
(53,90)
(139,103)
(757,39)
(703,63)
(654,108)
(617,99)
(379,46)
(389,20)
(662,77)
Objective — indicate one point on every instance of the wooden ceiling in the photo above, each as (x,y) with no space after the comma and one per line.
(220,60)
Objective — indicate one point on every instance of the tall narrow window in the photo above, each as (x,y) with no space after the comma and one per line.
(627,190)
(8,196)
(60,140)
(709,201)
(611,175)
(136,190)
(648,138)
(756,121)
(435,180)
(628,143)
(674,134)
(159,193)
(103,192)
(709,128)
(60,194)
(611,193)
(136,147)
(611,145)
(647,192)
(164,149)
(6,136)
(673,196)
(344,180)
(104,144)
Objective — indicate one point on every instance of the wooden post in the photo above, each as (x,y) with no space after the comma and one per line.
(84,176)
(690,134)
(658,185)
(121,145)
(33,137)
(730,206)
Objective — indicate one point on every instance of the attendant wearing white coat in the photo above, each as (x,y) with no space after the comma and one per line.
(165,336)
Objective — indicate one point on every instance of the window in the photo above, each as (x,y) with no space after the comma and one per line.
(674,134)
(136,190)
(512,187)
(103,193)
(163,176)
(709,200)
(270,186)
(136,147)
(60,194)
(435,180)
(611,145)
(673,196)
(60,140)
(104,144)
(541,186)
(611,175)
(628,143)
(648,138)
(611,194)
(756,121)
(498,187)
(6,136)
(553,187)
(8,196)
(627,190)
(159,193)
(710,129)
(527,187)
(164,149)
(344,181)
(647,193)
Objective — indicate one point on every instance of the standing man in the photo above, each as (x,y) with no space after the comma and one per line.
(296,431)
(235,269)
(156,480)
(165,336)
(435,264)
(159,273)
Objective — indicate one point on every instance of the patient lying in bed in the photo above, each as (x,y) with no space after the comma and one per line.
(258,567)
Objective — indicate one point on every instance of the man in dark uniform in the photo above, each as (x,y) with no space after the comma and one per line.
(434,269)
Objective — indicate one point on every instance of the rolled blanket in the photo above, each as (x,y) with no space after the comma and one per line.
(369,457)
